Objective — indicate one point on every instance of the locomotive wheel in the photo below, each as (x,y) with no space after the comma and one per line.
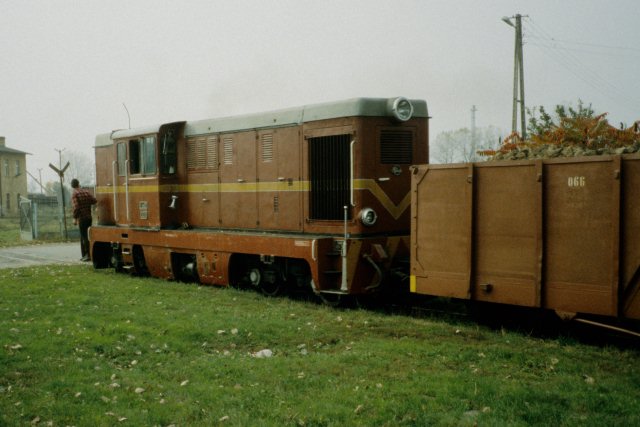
(271,289)
(270,284)
(265,280)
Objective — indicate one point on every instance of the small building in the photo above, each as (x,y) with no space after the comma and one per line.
(13,178)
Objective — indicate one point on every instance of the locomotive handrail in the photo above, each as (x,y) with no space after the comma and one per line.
(126,186)
(115,189)
(351,172)
(343,250)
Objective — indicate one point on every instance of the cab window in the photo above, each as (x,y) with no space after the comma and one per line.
(142,156)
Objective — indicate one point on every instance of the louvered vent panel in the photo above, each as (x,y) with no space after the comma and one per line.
(396,147)
(192,161)
(267,148)
(212,153)
(228,150)
(201,153)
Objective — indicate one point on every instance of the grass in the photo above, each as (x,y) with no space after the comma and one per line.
(9,231)
(49,231)
(80,347)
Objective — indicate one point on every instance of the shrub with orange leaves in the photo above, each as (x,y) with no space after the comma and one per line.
(577,133)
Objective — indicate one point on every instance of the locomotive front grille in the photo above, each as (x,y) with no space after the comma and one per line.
(329,175)
(396,146)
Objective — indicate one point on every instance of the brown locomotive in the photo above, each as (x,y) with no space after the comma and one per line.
(324,197)
(316,196)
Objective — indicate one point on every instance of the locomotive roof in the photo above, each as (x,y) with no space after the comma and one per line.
(370,107)
(376,107)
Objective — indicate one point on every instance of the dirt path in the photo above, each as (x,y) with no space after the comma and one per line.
(32,255)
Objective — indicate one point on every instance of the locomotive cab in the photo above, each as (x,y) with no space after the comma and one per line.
(138,175)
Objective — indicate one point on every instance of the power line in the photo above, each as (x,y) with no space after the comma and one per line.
(601,46)
(569,60)
(551,44)
(575,66)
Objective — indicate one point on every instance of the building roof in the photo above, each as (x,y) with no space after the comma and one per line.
(7,150)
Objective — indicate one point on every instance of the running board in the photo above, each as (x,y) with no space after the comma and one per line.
(334,292)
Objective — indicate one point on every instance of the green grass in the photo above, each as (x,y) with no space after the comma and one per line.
(9,231)
(49,231)
(79,347)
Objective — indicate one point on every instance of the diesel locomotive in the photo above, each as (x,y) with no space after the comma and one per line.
(339,198)
(312,197)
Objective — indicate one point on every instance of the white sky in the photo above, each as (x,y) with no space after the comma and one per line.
(67,67)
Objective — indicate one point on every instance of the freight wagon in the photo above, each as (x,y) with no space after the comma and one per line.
(558,234)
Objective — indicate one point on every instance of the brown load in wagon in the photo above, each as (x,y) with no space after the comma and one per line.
(560,234)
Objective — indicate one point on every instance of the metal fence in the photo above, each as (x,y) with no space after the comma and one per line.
(42,218)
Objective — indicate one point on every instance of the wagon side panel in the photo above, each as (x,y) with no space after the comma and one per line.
(630,244)
(581,217)
(441,231)
(507,234)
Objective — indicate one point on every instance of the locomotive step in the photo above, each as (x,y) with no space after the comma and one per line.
(334,292)
(332,271)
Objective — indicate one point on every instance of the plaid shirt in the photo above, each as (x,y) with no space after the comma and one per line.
(81,202)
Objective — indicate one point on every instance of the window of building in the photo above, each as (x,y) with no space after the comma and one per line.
(8,207)
(17,167)
(6,167)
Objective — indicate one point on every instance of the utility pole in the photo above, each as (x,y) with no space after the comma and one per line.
(518,76)
(474,143)
(40,182)
(60,172)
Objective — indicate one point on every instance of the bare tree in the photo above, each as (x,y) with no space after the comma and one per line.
(462,145)
(80,167)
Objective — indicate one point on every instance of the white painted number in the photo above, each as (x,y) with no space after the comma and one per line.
(577,181)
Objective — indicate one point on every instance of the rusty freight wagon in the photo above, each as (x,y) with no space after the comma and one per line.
(558,234)
(315,196)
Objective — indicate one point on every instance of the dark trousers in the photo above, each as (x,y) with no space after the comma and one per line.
(84,225)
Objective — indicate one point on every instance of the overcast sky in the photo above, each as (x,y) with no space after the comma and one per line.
(67,67)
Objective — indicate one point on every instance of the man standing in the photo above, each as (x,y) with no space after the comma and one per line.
(81,201)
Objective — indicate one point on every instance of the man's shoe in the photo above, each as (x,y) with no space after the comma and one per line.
(85,258)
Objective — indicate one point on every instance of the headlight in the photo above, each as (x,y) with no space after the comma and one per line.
(400,108)
(368,216)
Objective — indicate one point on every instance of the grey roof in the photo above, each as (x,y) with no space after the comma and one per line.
(371,107)
(7,150)
(106,138)
(376,107)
